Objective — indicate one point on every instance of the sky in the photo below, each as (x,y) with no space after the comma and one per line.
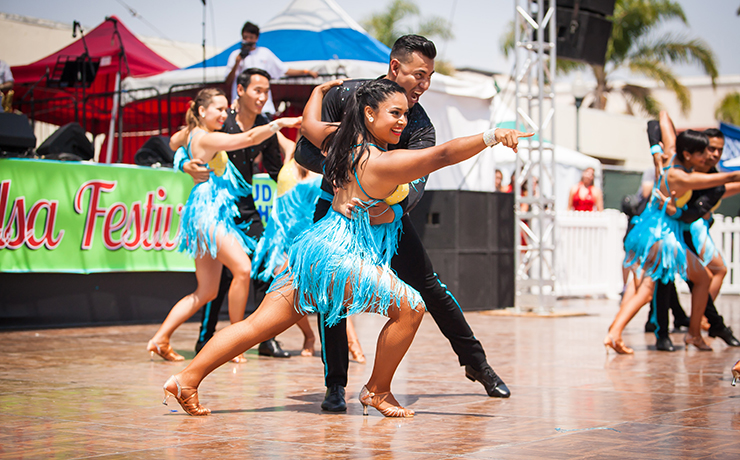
(476,24)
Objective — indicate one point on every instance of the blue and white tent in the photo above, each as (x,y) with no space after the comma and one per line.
(312,30)
(730,160)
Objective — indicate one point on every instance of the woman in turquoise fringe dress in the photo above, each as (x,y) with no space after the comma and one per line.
(341,264)
(655,247)
(207,231)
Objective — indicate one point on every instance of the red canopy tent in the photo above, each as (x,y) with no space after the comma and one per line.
(37,95)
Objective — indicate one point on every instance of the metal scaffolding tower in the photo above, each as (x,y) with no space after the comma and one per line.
(535,166)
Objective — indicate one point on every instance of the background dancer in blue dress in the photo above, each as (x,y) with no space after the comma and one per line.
(341,264)
(252,89)
(655,246)
(208,232)
(411,66)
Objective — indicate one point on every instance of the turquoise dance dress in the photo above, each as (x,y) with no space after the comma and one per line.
(211,209)
(291,214)
(337,253)
(655,245)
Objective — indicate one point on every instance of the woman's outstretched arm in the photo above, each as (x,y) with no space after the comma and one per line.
(204,147)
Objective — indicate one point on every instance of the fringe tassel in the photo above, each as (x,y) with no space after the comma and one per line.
(336,253)
(210,212)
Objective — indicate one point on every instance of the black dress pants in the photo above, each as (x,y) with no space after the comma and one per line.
(412,265)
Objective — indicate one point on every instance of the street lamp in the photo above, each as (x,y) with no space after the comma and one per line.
(579,90)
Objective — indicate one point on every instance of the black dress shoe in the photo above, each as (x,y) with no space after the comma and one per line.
(495,387)
(678,324)
(726,335)
(199,346)
(272,348)
(650,327)
(334,399)
(664,344)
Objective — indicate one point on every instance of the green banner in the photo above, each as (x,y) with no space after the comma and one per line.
(86,217)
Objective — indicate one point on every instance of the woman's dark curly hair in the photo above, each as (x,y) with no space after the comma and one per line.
(347,145)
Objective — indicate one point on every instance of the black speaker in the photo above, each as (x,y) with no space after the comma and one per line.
(600,7)
(582,36)
(469,237)
(155,150)
(16,134)
(67,143)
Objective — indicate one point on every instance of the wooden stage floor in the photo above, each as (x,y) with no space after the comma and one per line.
(94,393)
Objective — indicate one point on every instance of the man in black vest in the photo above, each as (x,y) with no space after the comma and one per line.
(411,66)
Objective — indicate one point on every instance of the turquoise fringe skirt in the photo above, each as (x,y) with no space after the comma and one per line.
(210,212)
(341,266)
(291,214)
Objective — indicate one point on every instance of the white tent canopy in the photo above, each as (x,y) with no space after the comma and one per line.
(456,107)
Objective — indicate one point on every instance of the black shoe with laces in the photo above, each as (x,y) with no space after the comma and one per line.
(495,387)
(726,335)
(334,399)
(272,348)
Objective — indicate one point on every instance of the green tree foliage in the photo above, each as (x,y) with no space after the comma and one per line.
(728,110)
(394,22)
(635,46)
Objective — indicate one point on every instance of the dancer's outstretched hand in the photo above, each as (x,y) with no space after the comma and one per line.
(510,137)
(289,122)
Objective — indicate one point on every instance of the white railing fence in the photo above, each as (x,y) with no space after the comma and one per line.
(589,252)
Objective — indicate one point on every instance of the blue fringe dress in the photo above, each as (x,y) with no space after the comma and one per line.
(655,245)
(292,213)
(211,209)
(340,266)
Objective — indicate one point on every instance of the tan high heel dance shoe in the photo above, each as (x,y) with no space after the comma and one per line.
(736,373)
(188,403)
(617,345)
(165,351)
(698,342)
(356,351)
(366,399)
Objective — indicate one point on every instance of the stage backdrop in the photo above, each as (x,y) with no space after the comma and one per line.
(70,217)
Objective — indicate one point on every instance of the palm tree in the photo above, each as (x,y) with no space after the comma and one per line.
(728,110)
(386,26)
(635,46)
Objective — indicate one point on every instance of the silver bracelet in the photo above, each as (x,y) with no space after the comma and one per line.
(274,126)
(489,137)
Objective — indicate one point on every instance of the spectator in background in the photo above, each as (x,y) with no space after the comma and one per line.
(6,81)
(252,56)
(585,196)
(498,180)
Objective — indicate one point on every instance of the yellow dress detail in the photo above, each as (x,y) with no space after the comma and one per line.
(683,199)
(218,163)
(402,191)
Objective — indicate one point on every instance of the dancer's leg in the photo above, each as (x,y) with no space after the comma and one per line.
(231,254)
(353,342)
(212,309)
(631,306)
(700,277)
(718,270)
(275,315)
(208,274)
(308,336)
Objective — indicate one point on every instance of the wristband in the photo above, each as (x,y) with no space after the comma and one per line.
(656,149)
(489,137)
(274,126)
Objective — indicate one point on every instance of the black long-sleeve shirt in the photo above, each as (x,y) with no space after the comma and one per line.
(418,134)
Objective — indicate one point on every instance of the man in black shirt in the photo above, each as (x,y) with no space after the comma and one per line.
(411,66)
(253,86)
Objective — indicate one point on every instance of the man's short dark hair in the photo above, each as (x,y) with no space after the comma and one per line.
(714,132)
(250,28)
(408,44)
(245,77)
